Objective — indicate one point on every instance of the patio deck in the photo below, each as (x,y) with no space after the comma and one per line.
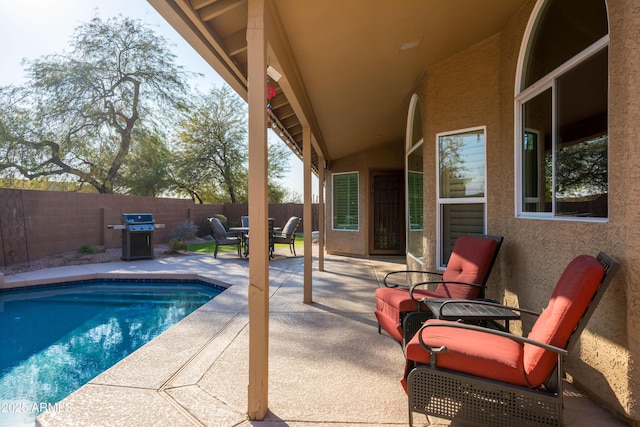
(328,364)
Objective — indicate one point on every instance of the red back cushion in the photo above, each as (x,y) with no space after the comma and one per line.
(469,262)
(569,300)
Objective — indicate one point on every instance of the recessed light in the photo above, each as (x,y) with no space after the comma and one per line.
(410,45)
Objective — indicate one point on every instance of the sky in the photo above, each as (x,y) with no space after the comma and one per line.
(31,29)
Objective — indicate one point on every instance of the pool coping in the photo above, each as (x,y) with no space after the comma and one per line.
(163,344)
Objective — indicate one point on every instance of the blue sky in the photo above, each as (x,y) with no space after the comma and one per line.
(31,29)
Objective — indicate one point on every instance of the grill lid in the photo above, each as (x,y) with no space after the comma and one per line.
(131,219)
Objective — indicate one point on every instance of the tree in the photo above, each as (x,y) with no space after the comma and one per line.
(278,166)
(210,164)
(79,112)
(146,170)
(581,168)
(212,147)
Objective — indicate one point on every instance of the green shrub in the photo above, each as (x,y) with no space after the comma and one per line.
(206,225)
(176,245)
(223,220)
(204,228)
(87,249)
(185,231)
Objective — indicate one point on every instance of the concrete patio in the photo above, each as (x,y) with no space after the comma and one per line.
(328,364)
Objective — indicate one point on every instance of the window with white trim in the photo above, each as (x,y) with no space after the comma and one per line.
(461,179)
(345,201)
(561,113)
(414,180)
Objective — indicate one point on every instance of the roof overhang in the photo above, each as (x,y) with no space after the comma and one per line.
(348,67)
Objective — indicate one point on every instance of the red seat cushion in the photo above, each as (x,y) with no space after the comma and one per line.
(569,300)
(471,352)
(469,262)
(503,359)
(390,302)
(399,300)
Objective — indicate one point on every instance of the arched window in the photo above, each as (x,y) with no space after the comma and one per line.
(414,180)
(561,112)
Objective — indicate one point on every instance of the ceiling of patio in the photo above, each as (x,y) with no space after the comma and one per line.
(349,67)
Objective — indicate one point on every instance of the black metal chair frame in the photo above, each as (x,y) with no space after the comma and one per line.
(226,240)
(287,238)
(479,401)
(270,226)
(412,321)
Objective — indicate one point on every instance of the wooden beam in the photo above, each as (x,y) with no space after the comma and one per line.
(236,43)
(219,8)
(258,396)
(321,224)
(307,214)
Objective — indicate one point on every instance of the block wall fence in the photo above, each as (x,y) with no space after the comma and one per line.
(35,224)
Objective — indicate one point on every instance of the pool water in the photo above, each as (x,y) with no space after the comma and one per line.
(55,339)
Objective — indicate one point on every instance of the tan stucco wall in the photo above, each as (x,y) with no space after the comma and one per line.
(476,88)
(384,157)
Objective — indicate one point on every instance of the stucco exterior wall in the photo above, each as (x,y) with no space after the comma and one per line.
(460,93)
(384,157)
(619,329)
(476,88)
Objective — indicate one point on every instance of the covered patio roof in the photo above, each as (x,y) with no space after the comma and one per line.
(343,73)
(348,67)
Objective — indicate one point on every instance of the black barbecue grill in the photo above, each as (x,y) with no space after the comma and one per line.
(137,236)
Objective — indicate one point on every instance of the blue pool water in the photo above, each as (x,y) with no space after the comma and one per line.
(55,339)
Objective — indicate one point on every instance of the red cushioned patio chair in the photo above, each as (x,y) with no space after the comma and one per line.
(466,275)
(480,376)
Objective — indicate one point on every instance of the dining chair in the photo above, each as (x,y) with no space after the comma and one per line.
(222,238)
(287,235)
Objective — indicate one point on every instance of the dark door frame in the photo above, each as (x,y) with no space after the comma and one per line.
(401,250)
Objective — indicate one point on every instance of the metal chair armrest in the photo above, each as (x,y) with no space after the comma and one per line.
(395,285)
(434,282)
(443,349)
(491,303)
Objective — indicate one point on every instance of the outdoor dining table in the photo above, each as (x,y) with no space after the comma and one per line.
(243,233)
(467,311)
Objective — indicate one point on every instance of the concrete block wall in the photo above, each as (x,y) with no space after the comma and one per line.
(35,224)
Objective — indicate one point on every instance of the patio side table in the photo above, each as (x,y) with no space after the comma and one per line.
(470,311)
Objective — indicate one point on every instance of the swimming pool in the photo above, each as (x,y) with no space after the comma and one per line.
(54,339)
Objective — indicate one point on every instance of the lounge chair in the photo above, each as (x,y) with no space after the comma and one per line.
(466,275)
(287,235)
(481,376)
(222,237)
